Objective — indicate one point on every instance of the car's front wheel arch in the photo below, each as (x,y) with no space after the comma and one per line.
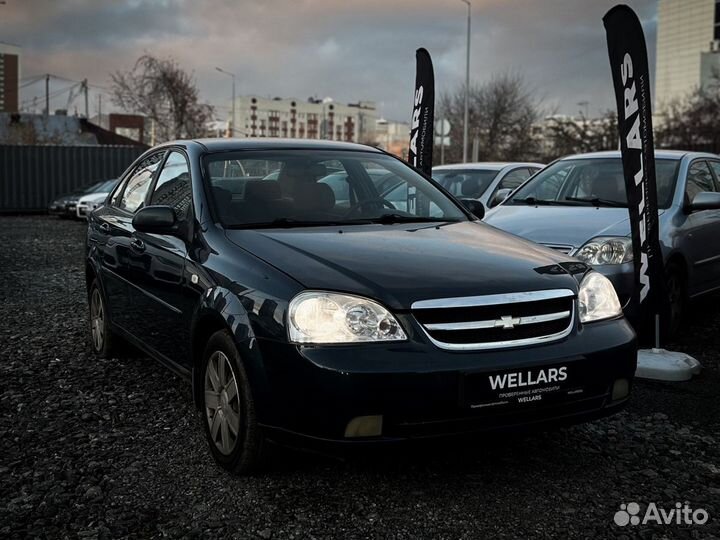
(90,275)
(207,321)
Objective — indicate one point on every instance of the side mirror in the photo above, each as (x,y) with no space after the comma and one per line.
(474,206)
(156,220)
(705,200)
(500,196)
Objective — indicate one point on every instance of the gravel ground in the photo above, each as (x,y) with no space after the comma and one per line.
(112,448)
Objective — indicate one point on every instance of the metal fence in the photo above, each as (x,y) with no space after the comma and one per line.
(31,176)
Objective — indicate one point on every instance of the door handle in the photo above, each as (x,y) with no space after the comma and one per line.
(137,244)
(105,227)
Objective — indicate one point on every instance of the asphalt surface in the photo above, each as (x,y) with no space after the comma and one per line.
(113,448)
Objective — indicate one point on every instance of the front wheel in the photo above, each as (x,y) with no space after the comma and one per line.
(228,409)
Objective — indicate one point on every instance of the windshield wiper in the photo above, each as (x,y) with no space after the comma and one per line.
(596,201)
(400,218)
(532,200)
(288,223)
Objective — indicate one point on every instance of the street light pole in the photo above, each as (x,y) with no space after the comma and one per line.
(467,86)
(47,94)
(232,129)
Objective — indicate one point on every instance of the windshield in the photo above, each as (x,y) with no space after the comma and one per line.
(596,182)
(470,183)
(283,188)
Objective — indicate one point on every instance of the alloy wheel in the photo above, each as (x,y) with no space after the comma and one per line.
(97,319)
(222,403)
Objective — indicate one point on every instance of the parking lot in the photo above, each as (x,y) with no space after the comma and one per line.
(112,448)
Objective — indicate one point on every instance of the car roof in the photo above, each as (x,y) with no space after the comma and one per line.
(233,144)
(659,154)
(487,165)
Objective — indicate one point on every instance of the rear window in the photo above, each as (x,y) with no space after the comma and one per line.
(470,183)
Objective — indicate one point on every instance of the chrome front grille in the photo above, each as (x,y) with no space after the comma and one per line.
(497,321)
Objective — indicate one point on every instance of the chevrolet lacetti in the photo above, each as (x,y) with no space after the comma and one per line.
(323,311)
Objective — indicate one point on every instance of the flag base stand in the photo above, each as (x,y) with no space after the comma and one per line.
(663,365)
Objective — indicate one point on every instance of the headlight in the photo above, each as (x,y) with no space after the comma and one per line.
(325,317)
(606,250)
(597,299)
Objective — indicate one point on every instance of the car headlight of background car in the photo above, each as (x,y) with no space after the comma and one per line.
(606,250)
(597,298)
(324,317)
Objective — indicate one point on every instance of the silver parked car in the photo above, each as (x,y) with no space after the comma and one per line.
(488,183)
(578,205)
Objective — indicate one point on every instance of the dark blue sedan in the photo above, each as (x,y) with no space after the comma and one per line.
(357,321)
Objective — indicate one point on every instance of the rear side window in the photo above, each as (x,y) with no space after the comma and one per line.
(173,186)
(699,179)
(514,178)
(715,166)
(137,185)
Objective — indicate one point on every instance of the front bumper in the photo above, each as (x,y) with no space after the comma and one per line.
(63,210)
(422,391)
(84,208)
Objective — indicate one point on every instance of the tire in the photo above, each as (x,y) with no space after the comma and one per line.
(228,409)
(102,339)
(676,287)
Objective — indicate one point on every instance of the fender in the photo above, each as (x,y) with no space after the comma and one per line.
(221,308)
(91,265)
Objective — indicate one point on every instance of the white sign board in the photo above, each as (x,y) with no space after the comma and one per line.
(442,128)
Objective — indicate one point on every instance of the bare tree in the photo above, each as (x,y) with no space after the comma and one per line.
(565,135)
(691,123)
(502,114)
(163,92)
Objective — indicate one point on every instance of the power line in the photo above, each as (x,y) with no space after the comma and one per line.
(29,83)
(53,94)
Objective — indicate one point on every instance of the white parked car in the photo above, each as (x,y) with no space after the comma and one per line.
(490,183)
(91,201)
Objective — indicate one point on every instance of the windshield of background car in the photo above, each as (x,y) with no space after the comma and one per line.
(106,187)
(308,187)
(470,183)
(93,187)
(594,181)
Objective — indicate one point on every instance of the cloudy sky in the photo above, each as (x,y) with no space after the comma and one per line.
(347,49)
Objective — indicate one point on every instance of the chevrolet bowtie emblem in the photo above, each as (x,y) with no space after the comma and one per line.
(506,322)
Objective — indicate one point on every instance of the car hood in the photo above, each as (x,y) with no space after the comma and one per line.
(403,263)
(565,225)
(67,197)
